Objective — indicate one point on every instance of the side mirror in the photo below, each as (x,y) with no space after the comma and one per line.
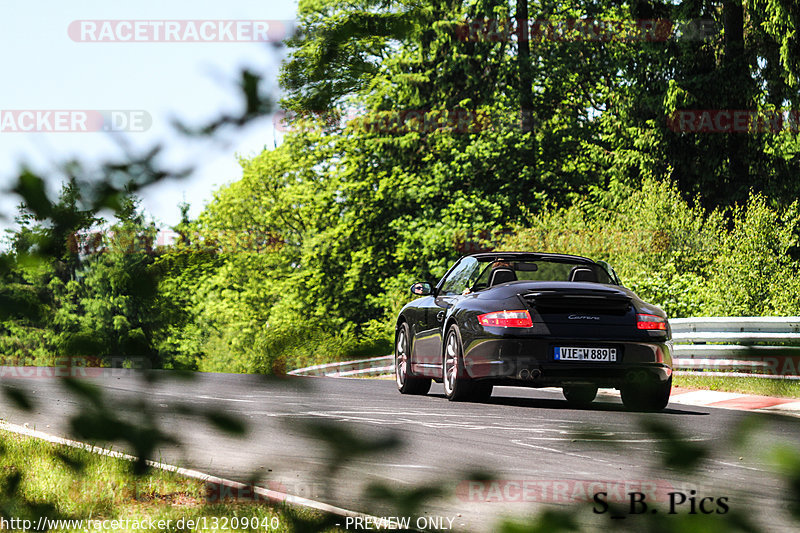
(421,288)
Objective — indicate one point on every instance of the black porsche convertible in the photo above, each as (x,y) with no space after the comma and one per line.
(535,320)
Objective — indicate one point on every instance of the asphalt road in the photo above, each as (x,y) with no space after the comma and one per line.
(536,451)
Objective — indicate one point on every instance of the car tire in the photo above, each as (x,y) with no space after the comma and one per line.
(646,397)
(481,392)
(458,386)
(579,394)
(406,383)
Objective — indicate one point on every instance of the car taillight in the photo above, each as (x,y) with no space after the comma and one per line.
(507,319)
(651,322)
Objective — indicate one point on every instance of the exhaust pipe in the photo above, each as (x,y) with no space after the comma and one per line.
(529,375)
(637,376)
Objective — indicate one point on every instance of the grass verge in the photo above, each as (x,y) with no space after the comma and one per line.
(761,386)
(39,479)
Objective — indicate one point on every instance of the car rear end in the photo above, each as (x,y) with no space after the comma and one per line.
(566,333)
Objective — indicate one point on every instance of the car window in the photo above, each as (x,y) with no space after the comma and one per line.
(461,277)
(610,272)
(482,280)
(541,271)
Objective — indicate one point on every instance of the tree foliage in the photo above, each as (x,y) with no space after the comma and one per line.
(420,131)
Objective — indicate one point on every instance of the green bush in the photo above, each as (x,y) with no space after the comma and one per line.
(675,254)
(671,252)
(754,273)
(281,350)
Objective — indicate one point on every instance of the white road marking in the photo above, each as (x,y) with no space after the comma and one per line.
(643,441)
(560,452)
(425,467)
(792,408)
(273,495)
(703,397)
(224,399)
(740,466)
(355,416)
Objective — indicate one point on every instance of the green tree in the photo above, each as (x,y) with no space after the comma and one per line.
(111,310)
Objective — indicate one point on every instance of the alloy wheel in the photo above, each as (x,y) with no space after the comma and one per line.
(401,358)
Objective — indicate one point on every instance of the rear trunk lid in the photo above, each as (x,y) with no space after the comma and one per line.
(573,304)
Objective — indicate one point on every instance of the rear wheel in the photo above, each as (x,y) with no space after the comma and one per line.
(406,383)
(646,396)
(457,385)
(481,392)
(580,394)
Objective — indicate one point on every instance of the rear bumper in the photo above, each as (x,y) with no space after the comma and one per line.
(530,362)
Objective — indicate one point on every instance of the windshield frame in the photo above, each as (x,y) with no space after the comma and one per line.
(481,281)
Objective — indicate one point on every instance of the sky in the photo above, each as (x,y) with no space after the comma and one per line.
(50,66)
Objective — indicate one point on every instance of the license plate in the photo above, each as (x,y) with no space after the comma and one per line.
(564,353)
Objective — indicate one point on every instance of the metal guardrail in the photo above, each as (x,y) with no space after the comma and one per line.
(376,366)
(732,346)
(766,346)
